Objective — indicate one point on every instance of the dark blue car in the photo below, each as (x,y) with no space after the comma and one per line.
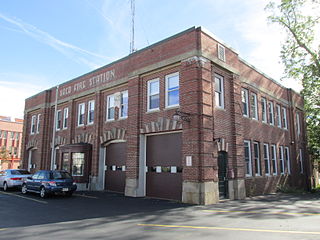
(46,182)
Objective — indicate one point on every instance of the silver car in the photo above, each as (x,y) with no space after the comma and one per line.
(11,178)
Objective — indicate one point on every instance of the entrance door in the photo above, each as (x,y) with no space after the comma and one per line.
(116,156)
(164,168)
(222,172)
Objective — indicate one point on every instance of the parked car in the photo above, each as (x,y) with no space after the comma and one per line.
(46,182)
(11,178)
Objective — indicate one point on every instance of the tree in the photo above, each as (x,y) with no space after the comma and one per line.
(4,155)
(300,55)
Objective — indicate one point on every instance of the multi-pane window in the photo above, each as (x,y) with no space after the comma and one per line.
(264,109)
(287,159)
(38,123)
(247,157)
(284,118)
(33,124)
(279,116)
(5,134)
(245,102)
(172,90)
(65,118)
(301,160)
(17,136)
(153,94)
(81,113)
(110,107)
(274,159)
(58,120)
(219,92)
(90,115)
(271,113)
(254,106)
(256,152)
(281,161)
(65,162)
(124,104)
(221,53)
(266,158)
(298,124)
(12,135)
(77,164)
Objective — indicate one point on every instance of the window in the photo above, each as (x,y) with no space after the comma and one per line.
(110,107)
(124,104)
(17,136)
(281,160)
(221,53)
(279,116)
(219,92)
(12,135)
(247,156)
(153,94)
(77,164)
(264,109)
(65,162)
(65,118)
(38,123)
(284,118)
(274,159)
(245,102)
(5,133)
(298,124)
(256,152)
(254,106)
(287,159)
(271,113)
(172,90)
(266,158)
(90,115)
(301,160)
(33,124)
(59,120)
(81,111)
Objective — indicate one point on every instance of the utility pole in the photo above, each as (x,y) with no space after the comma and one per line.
(132,26)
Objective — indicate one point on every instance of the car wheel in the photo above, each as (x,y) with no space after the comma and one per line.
(24,189)
(5,186)
(43,193)
(69,194)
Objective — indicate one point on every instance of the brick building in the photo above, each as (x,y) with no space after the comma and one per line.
(185,118)
(10,142)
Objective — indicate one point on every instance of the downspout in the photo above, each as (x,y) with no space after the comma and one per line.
(53,160)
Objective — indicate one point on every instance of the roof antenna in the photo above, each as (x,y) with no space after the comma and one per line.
(132,26)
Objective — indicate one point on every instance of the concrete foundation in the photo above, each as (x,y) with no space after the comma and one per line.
(203,193)
(237,189)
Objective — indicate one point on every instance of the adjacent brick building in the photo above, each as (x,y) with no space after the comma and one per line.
(185,118)
(10,142)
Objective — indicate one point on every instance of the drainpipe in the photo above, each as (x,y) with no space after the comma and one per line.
(53,156)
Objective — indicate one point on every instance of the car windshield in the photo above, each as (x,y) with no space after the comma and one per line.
(19,172)
(60,175)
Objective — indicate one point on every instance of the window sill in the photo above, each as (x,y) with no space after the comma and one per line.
(172,107)
(153,110)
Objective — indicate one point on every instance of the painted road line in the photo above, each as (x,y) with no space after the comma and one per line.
(31,199)
(230,229)
(85,196)
(2,229)
(257,212)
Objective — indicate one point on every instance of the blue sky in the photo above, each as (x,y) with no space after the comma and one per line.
(45,43)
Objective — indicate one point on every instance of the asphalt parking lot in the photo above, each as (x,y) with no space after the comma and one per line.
(103,215)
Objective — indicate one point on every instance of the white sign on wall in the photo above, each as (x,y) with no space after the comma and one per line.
(188,161)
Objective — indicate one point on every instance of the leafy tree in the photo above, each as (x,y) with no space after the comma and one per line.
(300,55)
(4,155)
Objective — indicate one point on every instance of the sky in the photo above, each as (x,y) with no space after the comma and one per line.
(46,43)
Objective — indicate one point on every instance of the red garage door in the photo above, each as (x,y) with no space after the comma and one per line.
(164,168)
(116,155)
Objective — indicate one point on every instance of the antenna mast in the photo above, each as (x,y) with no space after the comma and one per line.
(132,26)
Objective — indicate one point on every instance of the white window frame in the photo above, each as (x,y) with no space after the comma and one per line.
(274,159)
(264,110)
(108,107)
(298,124)
(279,118)
(81,111)
(281,160)
(167,90)
(219,93)
(301,161)
(287,159)
(91,107)
(122,94)
(249,164)
(221,52)
(271,113)
(38,123)
(65,118)
(256,158)
(254,106)
(266,158)
(33,124)
(59,113)
(149,94)
(245,101)
(284,118)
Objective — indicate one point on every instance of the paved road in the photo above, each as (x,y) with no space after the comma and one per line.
(101,215)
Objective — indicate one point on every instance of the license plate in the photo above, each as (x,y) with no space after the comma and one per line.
(65,189)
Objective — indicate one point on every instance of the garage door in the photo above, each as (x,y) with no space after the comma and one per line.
(115,174)
(164,168)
